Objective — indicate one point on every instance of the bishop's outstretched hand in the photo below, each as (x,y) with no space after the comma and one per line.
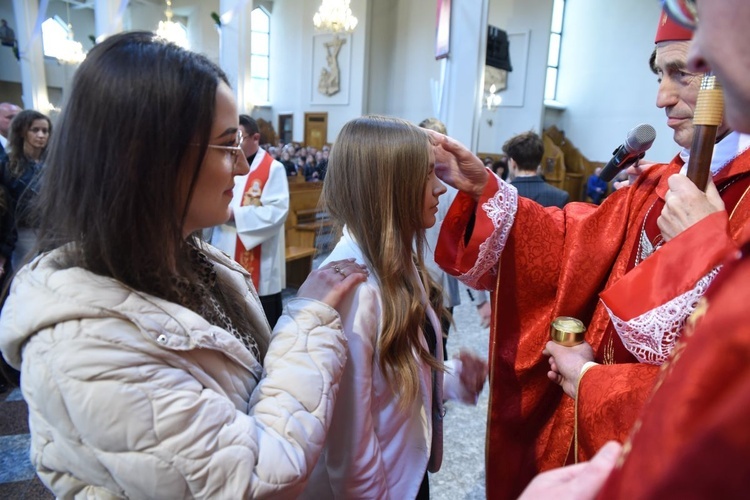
(457,166)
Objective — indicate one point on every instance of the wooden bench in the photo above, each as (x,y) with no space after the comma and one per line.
(306,220)
(306,214)
(304,223)
(303,204)
(311,233)
(298,265)
(312,223)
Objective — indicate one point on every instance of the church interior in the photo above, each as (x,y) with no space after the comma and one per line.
(575,72)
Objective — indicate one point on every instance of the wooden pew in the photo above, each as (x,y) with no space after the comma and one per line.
(571,167)
(298,265)
(305,221)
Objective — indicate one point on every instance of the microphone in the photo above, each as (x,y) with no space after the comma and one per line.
(636,144)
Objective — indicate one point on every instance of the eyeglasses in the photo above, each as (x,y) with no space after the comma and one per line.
(682,11)
(234,151)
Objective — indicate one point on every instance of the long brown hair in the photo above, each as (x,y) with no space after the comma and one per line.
(137,106)
(377,172)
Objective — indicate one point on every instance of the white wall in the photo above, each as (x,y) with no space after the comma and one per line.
(289,61)
(605,80)
(404,78)
(402,63)
(381,49)
(292,75)
(518,16)
(464,70)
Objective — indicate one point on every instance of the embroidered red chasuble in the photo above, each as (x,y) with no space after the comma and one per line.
(693,439)
(611,396)
(249,258)
(555,262)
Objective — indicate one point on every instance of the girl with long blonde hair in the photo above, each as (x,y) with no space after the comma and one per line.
(386,430)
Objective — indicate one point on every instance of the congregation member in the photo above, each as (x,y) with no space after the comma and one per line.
(290,166)
(500,167)
(20,175)
(254,233)
(309,170)
(7,112)
(525,152)
(596,187)
(387,423)
(555,263)
(147,363)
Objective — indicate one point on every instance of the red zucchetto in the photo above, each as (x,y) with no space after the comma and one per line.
(669,30)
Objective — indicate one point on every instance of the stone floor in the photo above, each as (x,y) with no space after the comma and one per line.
(17,477)
(461,476)
(462,473)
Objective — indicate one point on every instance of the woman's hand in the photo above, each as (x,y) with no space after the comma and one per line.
(332,282)
(457,166)
(565,364)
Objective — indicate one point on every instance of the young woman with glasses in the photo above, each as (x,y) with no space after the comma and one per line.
(147,364)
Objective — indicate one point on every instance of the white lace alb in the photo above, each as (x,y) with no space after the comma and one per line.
(501,210)
(651,336)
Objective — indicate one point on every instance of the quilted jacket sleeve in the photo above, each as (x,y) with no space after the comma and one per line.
(117,417)
(293,405)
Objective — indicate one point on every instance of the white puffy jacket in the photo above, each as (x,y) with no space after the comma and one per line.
(131,396)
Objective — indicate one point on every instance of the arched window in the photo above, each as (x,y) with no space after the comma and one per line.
(553,58)
(57,41)
(260,32)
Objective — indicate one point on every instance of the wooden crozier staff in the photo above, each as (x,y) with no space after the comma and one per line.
(708,113)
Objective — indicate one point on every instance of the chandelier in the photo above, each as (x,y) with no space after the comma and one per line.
(172,31)
(335,16)
(65,49)
(70,51)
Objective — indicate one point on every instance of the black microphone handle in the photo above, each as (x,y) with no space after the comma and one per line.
(613,166)
(618,163)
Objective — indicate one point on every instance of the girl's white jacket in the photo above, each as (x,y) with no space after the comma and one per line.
(374,450)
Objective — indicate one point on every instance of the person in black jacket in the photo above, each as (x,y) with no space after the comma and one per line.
(525,153)
(20,174)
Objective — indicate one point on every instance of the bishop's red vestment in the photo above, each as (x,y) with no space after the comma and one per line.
(549,262)
(692,439)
